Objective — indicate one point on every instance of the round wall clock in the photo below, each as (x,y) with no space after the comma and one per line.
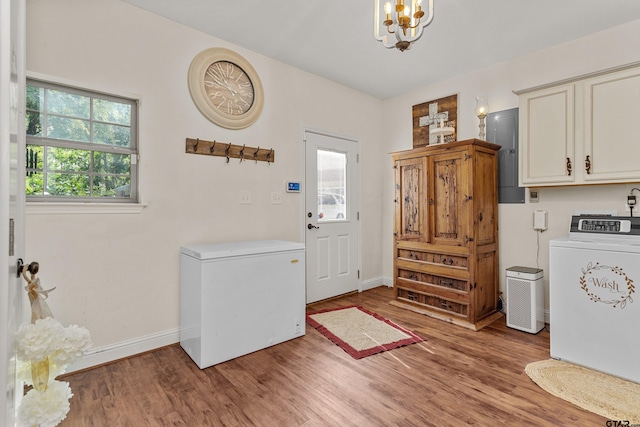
(225,88)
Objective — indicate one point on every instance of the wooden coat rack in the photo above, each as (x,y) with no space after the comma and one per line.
(224,149)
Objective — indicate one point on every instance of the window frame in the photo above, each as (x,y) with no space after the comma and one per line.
(132,150)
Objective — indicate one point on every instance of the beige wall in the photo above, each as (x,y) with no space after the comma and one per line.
(518,240)
(117,274)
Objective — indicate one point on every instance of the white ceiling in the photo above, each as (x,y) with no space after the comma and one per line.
(334,38)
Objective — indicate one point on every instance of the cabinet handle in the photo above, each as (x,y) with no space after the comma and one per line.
(587,165)
(568,166)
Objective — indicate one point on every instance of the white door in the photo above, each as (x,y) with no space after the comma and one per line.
(331,214)
(12,143)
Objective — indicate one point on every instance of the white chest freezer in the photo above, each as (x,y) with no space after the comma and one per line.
(240,297)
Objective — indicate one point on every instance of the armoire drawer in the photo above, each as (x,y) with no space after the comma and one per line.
(433,302)
(433,279)
(449,260)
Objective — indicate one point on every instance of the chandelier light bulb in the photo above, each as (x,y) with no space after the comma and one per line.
(387,8)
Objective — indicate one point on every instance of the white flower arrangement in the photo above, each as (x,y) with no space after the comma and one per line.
(47,408)
(48,338)
(48,347)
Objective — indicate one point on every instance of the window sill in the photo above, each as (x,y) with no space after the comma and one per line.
(39,208)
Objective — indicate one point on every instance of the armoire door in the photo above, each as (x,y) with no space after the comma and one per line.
(411,216)
(449,198)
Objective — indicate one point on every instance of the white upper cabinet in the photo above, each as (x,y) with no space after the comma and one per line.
(612,127)
(547,137)
(585,131)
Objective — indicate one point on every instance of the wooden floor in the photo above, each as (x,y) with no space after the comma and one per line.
(456,377)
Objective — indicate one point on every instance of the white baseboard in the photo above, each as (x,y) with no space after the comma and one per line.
(109,353)
(375,282)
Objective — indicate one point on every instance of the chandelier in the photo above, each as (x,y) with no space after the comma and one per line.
(405,22)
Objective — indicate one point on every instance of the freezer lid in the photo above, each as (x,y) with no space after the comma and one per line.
(232,249)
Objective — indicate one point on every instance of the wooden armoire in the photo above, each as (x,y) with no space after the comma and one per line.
(446,232)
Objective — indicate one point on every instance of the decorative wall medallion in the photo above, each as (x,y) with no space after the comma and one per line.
(608,285)
(429,114)
(225,88)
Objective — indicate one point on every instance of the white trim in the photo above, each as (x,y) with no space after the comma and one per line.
(85,86)
(47,208)
(109,353)
(577,78)
(373,283)
(388,281)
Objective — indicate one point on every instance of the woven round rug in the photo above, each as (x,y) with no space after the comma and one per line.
(602,394)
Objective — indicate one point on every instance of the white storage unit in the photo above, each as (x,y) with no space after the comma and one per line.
(594,309)
(240,297)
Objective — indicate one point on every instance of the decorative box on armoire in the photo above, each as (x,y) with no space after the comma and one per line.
(446,232)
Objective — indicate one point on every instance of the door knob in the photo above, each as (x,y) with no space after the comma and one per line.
(311,227)
(32,268)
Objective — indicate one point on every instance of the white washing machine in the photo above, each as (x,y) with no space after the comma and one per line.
(594,306)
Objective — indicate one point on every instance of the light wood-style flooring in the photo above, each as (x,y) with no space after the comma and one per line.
(456,377)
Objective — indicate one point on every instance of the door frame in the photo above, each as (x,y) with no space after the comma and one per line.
(356,196)
(12,196)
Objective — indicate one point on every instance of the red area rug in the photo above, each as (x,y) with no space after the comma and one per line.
(360,332)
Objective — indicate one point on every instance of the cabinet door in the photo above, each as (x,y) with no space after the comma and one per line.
(449,199)
(612,127)
(411,193)
(547,136)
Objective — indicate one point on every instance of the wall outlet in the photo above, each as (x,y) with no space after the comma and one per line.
(245,198)
(534,196)
(276,198)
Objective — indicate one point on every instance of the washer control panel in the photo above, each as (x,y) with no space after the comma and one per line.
(614,225)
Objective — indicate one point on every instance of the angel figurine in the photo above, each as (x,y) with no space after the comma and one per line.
(37,295)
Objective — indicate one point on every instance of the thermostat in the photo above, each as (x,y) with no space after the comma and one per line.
(293,187)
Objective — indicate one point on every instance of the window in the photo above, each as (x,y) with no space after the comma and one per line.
(81,146)
(332,185)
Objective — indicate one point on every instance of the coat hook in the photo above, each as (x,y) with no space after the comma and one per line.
(195,147)
(213,147)
(255,155)
(242,153)
(226,152)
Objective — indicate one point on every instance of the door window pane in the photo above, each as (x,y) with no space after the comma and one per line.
(332,184)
